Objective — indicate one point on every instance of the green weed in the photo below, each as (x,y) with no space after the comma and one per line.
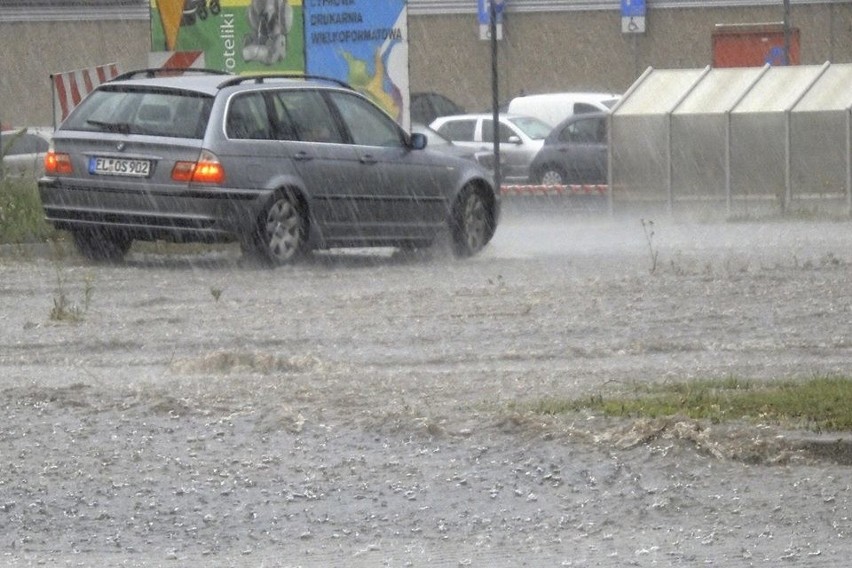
(66,310)
(648,229)
(821,403)
(21,213)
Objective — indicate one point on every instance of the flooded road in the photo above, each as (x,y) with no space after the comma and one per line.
(368,408)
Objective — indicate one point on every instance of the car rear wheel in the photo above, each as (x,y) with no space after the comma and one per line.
(101,246)
(552,175)
(281,234)
(472,223)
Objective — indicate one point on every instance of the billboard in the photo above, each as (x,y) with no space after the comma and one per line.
(238,36)
(361,42)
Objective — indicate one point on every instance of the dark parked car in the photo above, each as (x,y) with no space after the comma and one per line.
(575,152)
(426,107)
(281,164)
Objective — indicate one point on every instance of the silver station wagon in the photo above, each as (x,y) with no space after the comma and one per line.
(281,164)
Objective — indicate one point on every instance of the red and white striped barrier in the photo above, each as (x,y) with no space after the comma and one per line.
(70,87)
(545,190)
(176,59)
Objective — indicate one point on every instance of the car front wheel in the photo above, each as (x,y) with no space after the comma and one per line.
(552,175)
(101,246)
(472,223)
(281,234)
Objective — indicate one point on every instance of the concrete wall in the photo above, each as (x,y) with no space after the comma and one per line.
(541,51)
(565,51)
(32,51)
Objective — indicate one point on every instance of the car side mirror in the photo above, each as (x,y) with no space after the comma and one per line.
(417,141)
(515,140)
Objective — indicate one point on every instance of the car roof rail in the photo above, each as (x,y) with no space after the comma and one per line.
(152,72)
(259,78)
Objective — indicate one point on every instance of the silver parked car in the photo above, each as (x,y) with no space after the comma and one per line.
(521,137)
(23,151)
(440,143)
(281,164)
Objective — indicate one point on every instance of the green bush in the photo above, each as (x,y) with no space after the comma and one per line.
(21,214)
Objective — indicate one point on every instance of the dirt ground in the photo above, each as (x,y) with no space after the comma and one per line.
(371,409)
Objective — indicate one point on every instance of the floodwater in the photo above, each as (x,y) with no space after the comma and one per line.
(371,409)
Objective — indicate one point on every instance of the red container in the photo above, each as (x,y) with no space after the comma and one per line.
(752,45)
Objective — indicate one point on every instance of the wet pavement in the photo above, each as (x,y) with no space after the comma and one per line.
(368,408)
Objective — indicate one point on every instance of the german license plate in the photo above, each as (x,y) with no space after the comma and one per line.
(119,167)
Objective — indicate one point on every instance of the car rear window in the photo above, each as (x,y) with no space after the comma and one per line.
(134,111)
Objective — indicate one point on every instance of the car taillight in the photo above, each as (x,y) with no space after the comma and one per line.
(206,170)
(57,163)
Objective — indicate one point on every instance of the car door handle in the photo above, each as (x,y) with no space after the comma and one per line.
(368,159)
(303,156)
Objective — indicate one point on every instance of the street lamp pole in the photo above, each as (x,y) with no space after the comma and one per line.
(495,96)
(787,32)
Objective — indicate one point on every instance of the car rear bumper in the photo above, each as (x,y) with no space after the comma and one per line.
(190,214)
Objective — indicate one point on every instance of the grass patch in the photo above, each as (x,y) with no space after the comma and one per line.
(21,214)
(821,403)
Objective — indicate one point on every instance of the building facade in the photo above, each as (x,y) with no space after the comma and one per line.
(547,45)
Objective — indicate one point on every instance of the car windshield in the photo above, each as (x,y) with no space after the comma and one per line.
(159,113)
(532,127)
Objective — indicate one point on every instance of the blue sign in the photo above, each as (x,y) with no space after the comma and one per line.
(499,7)
(776,56)
(632,8)
(362,42)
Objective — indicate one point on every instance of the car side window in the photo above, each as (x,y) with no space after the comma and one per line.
(488,131)
(368,126)
(247,118)
(459,130)
(584,131)
(580,108)
(307,112)
(282,123)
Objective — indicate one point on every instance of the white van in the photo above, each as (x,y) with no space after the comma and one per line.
(553,108)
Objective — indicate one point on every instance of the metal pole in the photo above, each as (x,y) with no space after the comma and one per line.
(849,161)
(788,156)
(728,194)
(669,165)
(495,96)
(787,32)
(53,99)
(609,137)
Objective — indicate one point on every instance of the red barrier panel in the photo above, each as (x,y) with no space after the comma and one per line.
(585,189)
